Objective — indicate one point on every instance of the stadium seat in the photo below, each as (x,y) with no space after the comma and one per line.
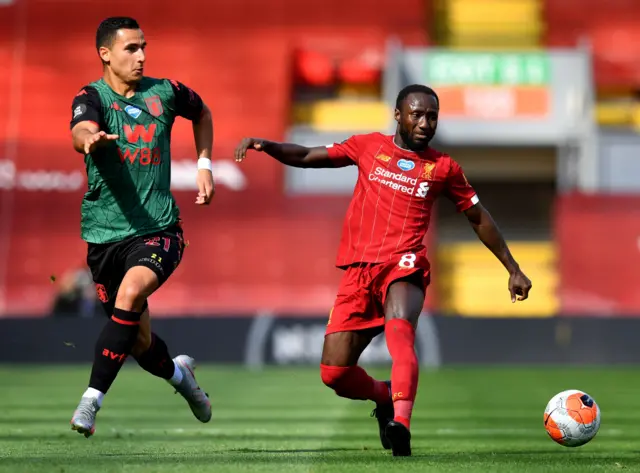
(313,68)
(615,42)
(488,24)
(357,70)
(624,113)
(472,282)
(342,115)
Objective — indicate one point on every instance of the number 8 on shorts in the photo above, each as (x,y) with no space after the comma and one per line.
(407,261)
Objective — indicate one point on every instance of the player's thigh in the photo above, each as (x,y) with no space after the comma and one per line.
(345,348)
(405,299)
(401,287)
(107,271)
(354,319)
(150,261)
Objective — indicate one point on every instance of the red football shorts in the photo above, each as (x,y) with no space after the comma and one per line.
(362,292)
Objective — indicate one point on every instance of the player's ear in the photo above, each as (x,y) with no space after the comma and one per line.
(396,115)
(105,54)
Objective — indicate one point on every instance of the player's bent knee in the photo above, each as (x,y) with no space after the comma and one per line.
(334,376)
(131,296)
(138,284)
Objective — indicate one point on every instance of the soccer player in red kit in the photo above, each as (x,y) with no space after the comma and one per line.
(383,254)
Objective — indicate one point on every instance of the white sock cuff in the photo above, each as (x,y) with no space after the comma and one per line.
(177,375)
(95,394)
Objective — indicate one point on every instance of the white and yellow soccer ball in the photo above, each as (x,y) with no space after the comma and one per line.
(572,418)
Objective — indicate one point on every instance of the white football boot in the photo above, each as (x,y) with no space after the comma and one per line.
(84,417)
(197,399)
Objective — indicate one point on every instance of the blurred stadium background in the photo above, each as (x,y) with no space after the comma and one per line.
(540,105)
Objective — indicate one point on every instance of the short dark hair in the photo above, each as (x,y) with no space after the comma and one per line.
(109,27)
(415,89)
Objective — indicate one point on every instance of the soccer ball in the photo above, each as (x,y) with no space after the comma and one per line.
(572,418)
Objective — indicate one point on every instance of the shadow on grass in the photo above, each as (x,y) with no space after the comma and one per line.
(330,456)
(270,436)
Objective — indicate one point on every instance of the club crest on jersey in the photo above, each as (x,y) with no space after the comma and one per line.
(154,105)
(133,111)
(406,165)
(427,171)
(101,291)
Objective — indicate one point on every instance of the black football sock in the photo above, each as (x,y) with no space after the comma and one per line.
(114,344)
(156,360)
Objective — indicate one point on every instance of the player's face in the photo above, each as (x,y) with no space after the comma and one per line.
(418,120)
(126,55)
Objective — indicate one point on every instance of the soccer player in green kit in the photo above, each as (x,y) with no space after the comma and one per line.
(130,221)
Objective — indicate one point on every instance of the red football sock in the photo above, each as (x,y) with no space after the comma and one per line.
(353,382)
(401,336)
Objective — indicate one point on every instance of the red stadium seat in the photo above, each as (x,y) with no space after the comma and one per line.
(314,68)
(359,71)
(611,30)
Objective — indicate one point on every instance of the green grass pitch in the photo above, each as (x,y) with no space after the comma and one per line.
(285,420)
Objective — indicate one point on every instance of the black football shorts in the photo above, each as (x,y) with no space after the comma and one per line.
(109,262)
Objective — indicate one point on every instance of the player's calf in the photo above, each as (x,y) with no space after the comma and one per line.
(353,382)
(112,348)
(340,372)
(114,345)
(154,357)
(402,309)
(145,340)
(400,335)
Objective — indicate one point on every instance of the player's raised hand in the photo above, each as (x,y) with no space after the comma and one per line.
(206,187)
(519,286)
(91,142)
(246,144)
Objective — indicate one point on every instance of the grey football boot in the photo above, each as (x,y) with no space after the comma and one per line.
(197,399)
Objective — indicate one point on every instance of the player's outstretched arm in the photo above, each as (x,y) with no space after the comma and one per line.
(87,137)
(291,154)
(489,233)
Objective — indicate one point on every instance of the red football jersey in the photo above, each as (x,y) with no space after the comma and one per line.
(393,197)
